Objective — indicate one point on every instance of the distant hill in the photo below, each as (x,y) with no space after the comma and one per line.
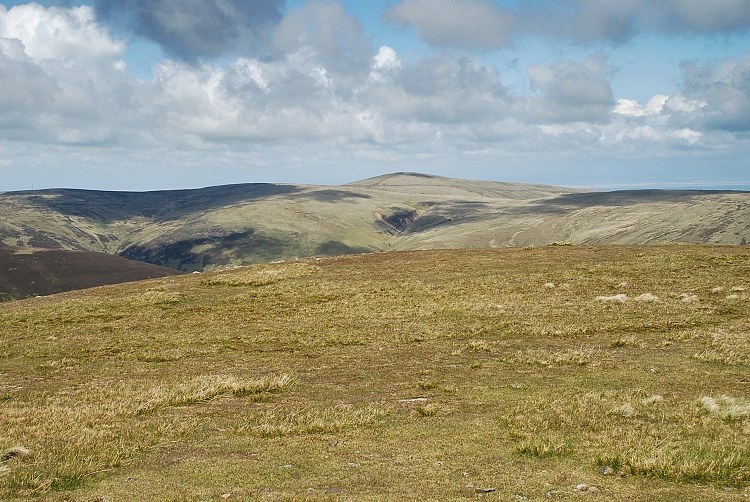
(212,227)
(44,272)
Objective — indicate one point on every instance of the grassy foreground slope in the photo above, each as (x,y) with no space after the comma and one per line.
(609,373)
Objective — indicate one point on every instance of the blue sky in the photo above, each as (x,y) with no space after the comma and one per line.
(154,94)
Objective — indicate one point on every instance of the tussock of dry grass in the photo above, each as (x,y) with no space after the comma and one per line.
(549,357)
(727,408)
(158,297)
(427,409)
(700,462)
(652,400)
(548,444)
(71,442)
(622,298)
(625,410)
(316,421)
(427,384)
(689,298)
(207,387)
(730,347)
(478,345)
(690,450)
(627,341)
(262,275)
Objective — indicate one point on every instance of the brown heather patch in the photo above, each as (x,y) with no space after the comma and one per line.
(457,371)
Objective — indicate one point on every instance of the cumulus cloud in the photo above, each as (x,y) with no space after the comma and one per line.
(632,108)
(252,100)
(66,35)
(61,75)
(322,90)
(455,23)
(193,29)
(714,96)
(698,16)
(442,90)
(482,24)
(620,20)
(26,90)
(327,32)
(571,91)
(384,63)
(295,99)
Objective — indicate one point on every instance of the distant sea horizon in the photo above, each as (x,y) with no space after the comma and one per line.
(720,186)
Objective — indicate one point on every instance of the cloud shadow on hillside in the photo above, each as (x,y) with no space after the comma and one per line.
(163,205)
(219,248)
(331,195)
(575,201)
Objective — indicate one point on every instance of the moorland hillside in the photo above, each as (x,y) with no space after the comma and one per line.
(203,229)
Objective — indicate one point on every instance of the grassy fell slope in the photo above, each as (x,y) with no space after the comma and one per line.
(615,373)
(239,224)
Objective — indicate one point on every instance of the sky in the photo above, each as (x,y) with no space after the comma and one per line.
(166,94)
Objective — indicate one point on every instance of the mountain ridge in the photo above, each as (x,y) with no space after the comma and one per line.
(210,227)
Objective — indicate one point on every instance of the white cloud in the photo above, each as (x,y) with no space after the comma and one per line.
(643,134)
(681,104)
(290,99)
(70,36)
(244,72)
(385,63)
(714,96)
(326,96)
(62,76)
(571,91)
(446,89)
(688,135)
(632,108)
(328,32)
(386,59)
(699,16)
